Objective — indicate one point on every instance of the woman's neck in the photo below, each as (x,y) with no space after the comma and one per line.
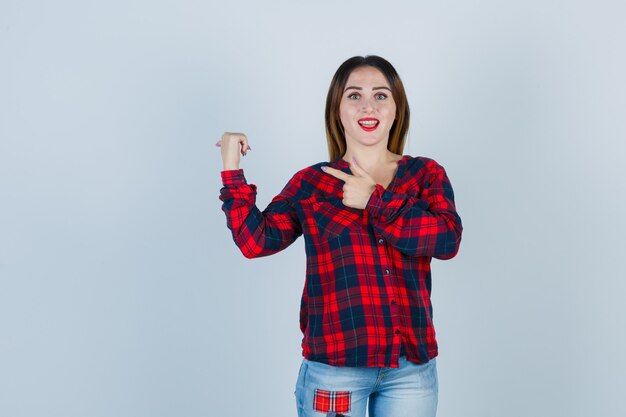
(370,159)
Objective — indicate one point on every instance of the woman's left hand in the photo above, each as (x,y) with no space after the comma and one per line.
(357,188)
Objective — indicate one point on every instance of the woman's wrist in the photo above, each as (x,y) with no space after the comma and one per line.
(231,167)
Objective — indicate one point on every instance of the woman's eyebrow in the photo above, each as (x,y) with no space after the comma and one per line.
(361,88)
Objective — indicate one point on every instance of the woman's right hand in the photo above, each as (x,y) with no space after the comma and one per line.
(232,145)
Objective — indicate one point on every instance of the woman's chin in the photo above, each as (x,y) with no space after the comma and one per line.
(366,140)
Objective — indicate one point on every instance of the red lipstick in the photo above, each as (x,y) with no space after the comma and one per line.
(369,124)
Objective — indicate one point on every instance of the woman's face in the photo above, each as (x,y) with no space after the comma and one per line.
(367,109)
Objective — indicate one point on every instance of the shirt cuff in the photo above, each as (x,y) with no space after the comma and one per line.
(375,203)
(233,178)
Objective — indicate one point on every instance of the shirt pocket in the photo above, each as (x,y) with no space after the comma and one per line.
(333,219)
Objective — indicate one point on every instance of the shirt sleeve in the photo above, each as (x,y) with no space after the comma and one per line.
(258,233)
(427,225)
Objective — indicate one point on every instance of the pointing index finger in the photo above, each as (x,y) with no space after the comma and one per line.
(336,173)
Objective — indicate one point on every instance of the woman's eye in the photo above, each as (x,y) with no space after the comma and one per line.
(381,96)
(353,96)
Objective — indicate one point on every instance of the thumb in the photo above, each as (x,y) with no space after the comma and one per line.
(357,170)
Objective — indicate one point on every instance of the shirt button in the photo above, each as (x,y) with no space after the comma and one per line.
(381,241)
(393,302)
(387,271)
(397,331)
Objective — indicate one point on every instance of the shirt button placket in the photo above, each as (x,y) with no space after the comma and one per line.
(391,296)
(381,250)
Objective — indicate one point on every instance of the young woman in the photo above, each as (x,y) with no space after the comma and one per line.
(372,219)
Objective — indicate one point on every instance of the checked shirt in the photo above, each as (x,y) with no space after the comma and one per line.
(368,278)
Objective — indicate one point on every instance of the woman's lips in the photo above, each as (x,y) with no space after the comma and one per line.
(368,124)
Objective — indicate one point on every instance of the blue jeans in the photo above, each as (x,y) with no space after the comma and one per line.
(408,391)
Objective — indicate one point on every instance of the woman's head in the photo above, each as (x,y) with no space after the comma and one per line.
(335,130)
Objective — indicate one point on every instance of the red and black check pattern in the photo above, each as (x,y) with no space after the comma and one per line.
(327,401)
(368,280)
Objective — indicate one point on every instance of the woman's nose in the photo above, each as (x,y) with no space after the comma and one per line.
(368,104)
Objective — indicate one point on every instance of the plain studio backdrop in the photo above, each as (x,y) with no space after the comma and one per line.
(121,290)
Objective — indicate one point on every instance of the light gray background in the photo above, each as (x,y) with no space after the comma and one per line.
(121,291)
